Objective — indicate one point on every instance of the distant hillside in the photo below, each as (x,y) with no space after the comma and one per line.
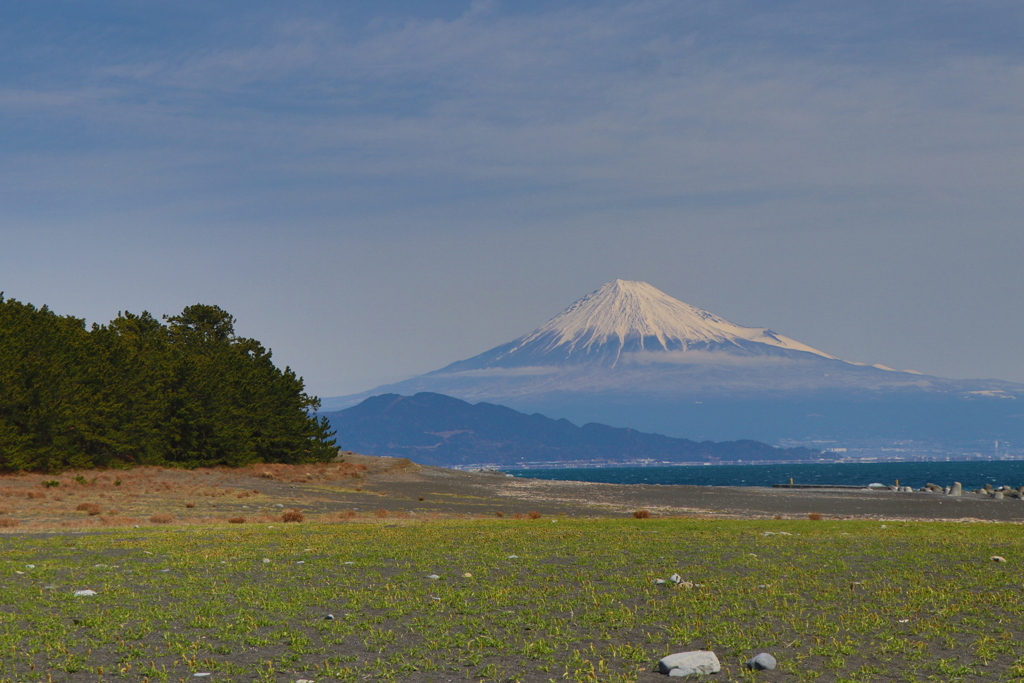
(435,429)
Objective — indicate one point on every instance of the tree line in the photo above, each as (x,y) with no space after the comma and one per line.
(184,391)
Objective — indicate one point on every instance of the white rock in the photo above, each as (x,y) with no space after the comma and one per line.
(512,557)
(761,662)
(266,560)
(85,593)
(433,576)
(689,663)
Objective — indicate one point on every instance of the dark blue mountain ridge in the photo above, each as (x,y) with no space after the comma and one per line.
(434,429)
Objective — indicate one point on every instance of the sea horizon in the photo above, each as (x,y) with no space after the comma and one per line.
(972,474)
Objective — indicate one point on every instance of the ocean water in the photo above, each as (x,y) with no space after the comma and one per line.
(973,474)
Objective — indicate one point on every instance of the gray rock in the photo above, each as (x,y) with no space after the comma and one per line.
(997,558)
(998,495)
(957,489)
(761,662)
(689,663)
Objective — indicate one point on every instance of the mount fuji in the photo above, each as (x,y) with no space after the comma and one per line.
(629,355)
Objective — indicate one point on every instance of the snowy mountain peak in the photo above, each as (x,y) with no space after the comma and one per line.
(636,316)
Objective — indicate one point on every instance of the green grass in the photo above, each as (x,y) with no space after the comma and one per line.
(834,601)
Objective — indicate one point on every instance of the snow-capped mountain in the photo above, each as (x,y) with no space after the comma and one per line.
(625,317)
(629,355)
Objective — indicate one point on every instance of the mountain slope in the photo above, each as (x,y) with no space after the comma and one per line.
(623,318)
(440,430)
(629,355)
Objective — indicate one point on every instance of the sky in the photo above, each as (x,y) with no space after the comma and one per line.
(375,190)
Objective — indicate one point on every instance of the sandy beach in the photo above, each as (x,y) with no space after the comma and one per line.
(367,488)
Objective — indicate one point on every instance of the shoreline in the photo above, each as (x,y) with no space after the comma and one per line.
(367,488)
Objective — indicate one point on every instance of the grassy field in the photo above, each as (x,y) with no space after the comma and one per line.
(832,601)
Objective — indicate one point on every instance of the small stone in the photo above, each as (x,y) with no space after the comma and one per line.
(85,593)
(329,617)
(265,560)
(433,577)
(676,579)
(997,558)
(279,505)
(998,495)
(689,663)
(202,674)
(303,680)
(349,562)
(762,662)
(512,557)
(659,582)
(467,575)
(30,566)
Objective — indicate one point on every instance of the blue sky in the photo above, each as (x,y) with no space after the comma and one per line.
(377,189)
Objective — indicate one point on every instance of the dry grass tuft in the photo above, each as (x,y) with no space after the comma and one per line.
(190,504)
(35,495)
(814,516)
(91,508)
(381,513)
(642,514)
(161,519)
(236,520)
(292,516)
(8,522)
(499,513)
(533,514)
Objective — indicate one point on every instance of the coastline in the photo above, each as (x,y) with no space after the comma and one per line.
(373,489)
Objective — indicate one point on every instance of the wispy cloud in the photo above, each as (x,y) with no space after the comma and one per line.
(552,123)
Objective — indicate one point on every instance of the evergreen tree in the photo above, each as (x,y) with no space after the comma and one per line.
(137,391)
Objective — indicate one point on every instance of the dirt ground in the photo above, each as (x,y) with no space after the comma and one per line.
(368,488)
